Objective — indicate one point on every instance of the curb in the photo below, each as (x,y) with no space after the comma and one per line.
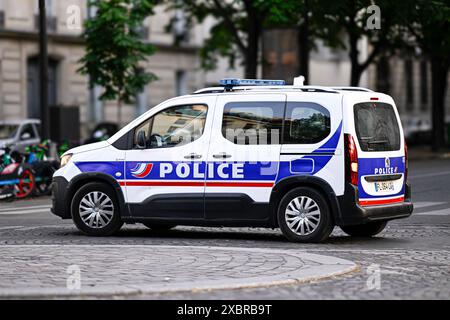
(327,267)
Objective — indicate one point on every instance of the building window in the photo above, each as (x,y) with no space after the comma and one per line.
(2,14)
(181,83)
(51,18)
(409,84)
(180,28)
(2,19)
(424,85)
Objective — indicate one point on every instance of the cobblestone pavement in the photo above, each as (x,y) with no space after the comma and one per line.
(130,270)
(409,260)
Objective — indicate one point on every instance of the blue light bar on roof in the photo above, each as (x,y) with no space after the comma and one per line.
(232,82)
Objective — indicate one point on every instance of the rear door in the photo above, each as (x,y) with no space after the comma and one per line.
(312,144)
(378,136)
(243,158)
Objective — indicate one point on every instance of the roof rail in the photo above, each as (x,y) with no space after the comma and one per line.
(352,89)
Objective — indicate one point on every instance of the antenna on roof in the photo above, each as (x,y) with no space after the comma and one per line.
(299,81)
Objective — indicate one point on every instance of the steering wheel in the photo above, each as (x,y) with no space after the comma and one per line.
(156,140)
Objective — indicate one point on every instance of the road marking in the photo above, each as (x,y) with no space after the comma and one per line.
(443,212)
(10,227)
(25,211)
(425,204)
(426,175)
(25,208)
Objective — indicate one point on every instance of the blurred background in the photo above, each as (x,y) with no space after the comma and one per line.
(171,48)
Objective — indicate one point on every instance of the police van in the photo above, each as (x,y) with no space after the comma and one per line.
(254,153)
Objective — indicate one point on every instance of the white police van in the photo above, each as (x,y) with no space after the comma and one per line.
(254,153)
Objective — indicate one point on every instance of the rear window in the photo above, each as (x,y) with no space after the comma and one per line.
(377,128)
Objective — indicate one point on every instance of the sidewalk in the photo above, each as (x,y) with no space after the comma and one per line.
(49,271)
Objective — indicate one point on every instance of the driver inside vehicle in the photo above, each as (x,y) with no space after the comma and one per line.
(171,127)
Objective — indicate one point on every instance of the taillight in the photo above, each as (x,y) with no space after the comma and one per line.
(351,160)
(406,162)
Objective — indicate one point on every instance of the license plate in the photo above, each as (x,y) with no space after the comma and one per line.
(384,186)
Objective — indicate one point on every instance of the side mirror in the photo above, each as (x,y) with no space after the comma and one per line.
(141,141)
(25,136)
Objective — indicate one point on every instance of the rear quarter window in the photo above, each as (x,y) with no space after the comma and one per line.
(376,127)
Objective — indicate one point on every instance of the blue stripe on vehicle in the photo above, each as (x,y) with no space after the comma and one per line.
(251,171)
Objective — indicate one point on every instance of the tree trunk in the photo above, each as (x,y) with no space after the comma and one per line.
(303,46)
(119,113)
(251,55)
(303,50)
(355,73)
(439,70)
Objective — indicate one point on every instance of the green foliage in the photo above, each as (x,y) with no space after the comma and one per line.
(237,23)
(114,48)
(429,23)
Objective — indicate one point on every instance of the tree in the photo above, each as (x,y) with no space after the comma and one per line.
(350,18)
(236,32)
(429,23)
(306,17)
(114,49)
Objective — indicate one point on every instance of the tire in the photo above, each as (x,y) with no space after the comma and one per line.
(365,230)
(316,218)
(85,203)
(159,226)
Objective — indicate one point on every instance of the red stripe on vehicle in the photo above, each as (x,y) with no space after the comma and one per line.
(240,184)
(381,201)
(194,184)
(162,183)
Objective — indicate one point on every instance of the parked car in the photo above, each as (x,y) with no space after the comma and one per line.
(19,134)
(418,131)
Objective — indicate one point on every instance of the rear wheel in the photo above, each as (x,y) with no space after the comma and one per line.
(159,226)
(365,230)
(304,216)
(95,210)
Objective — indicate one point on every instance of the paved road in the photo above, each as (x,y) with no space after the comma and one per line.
(410,259)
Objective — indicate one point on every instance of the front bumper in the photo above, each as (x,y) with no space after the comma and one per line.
(351,213)
(60,204)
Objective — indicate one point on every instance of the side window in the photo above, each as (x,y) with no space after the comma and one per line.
(306,123)
(27,132)
(250,123)
(173,126)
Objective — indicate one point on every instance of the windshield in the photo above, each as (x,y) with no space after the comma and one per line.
(377,128)
(8,131)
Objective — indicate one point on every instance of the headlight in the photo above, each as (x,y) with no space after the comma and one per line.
(65,159)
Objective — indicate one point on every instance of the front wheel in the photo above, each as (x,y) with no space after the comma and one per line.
(95,210)
(304,216)
(365,230)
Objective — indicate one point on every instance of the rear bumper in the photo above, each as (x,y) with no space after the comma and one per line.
(60,188)
(352,213)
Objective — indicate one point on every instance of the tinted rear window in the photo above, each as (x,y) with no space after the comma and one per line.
(377,128)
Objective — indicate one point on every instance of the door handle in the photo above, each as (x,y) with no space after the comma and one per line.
(193,156)
(222,155)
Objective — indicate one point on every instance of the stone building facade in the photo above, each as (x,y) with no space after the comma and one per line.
(176,66)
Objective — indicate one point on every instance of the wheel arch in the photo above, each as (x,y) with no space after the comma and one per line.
(285,185)
(84,178)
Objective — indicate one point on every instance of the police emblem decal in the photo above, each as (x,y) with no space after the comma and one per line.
(141,170)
